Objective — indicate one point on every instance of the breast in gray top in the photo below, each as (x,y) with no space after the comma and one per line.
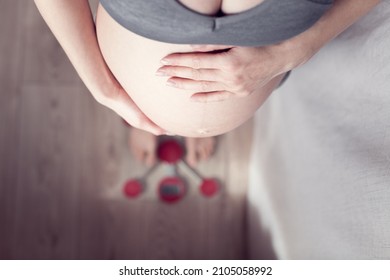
(170,21)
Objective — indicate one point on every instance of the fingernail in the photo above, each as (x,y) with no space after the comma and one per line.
(169,133)
(171,83)
(195,99)
(159,132)
(165,61)
(161,73)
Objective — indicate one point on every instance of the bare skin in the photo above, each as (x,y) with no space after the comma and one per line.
(134,61)
(143,99)
(199,149)
(212,7)
(242,66)
(143,144)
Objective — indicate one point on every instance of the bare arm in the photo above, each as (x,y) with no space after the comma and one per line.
(72,24)
(242,70)
(342,15)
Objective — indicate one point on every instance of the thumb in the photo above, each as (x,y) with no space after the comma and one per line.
(210,48)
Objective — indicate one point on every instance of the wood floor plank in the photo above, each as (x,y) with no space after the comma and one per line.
(11,34)
(64,160)
(11,43)
(9,143)
(47,190)
(42,49)
(231,210)
(9,138)
(194,228)
(76,220)
(102,141)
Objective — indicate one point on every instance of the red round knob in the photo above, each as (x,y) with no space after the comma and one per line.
(209,187)
(171,189)
(170,151)
(132,188)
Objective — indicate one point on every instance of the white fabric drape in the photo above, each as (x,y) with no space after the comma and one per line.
(320,167)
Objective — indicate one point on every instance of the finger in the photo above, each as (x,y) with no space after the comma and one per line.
(203,153)
(216,96)
(137,154)
(150,159)
(209,48)
(209,150)
(125,107)
(196,60)
(140,121)
(190,73)
(198,86)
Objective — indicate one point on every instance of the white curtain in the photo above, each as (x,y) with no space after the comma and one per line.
(320,167)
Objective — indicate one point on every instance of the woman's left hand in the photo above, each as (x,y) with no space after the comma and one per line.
(217,72)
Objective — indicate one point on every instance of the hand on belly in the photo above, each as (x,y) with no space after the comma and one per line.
(218,73)
(134,61)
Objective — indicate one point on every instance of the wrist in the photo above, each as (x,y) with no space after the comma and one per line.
(100,81)
(340,16)
(102,91)
(294,52)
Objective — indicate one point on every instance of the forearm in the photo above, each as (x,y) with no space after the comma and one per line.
(72,24)
(337,19)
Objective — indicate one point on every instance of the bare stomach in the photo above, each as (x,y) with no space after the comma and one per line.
(134,60)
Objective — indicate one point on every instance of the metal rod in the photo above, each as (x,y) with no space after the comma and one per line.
(152,169)
(185,164)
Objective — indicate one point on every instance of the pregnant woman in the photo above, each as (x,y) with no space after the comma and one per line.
(192,68)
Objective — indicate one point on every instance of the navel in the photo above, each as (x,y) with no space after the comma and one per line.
(202,131)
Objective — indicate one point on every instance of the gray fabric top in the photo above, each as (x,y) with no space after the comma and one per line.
(170,21)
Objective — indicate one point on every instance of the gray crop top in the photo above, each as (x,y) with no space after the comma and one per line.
(170,21)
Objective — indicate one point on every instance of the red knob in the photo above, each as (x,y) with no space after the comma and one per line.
(132,188)
(170,151)
(209,187)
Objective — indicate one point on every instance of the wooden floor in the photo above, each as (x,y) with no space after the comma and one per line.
(63,160)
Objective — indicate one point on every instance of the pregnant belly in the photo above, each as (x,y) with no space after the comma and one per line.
(134,60)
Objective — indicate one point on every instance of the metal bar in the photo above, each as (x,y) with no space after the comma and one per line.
(185,164)
(150,171)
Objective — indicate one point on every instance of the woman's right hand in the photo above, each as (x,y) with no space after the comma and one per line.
(64,17)
(116,98)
